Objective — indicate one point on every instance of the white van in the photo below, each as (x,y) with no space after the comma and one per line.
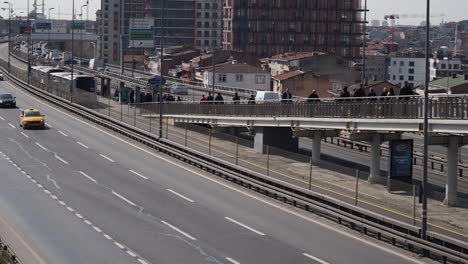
(267,96)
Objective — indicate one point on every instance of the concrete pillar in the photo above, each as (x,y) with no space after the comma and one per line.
(316,147)
(280,137)
(451,189)
(121,90)
(108,84)
(103,82)
(374,176)
(137,94)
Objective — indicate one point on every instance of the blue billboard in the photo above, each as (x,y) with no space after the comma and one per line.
(42,26)
(401,159)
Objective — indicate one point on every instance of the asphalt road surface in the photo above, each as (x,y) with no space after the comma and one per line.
(138,205)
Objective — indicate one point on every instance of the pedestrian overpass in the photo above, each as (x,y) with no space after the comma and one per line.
(366,119)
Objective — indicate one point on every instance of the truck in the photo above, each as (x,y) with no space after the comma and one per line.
(94,64)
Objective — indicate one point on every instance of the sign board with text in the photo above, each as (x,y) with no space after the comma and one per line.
(401,160)
(141,33)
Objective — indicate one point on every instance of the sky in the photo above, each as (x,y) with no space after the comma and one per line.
(454,10)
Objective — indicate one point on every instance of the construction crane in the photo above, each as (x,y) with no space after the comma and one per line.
(394,17)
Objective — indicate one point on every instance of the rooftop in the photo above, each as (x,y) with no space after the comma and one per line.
(452,82)
(287,75)
(237,68)
(295,56)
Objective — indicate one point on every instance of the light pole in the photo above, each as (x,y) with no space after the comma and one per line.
(161,70)
(81,31)
(72,83)
(426,125)
(29,41)
(122,24)
(364,43)
(9,32)
(448,72)
(50,25)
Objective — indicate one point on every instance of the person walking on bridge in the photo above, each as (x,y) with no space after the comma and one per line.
(219,99)
(210,99)
(236,98)
(203,100)
(287,96)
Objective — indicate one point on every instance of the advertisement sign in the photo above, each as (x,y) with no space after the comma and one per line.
(58,27)
(401,159)
(141,33)
(25,29)
(42,27)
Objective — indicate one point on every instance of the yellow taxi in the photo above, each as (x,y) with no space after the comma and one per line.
(31,118)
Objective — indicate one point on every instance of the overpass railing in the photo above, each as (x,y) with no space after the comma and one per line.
(441,107)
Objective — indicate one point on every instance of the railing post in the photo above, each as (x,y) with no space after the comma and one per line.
(167,127)
(237,150)
(357,188)
(268,159)
(414,204)
(310,173)
(185,141)
(209,142)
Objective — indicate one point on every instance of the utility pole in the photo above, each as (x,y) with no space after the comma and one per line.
(426,124)
(122,24)
(81,31)
(9,32)
(29,42)
(48,37)
(161,70)
(364,44)
(72,83)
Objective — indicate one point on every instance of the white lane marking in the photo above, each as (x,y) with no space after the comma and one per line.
(180,195)
(123,198)
(83,145)
(97,229)
(244,226)
(142,261)
(178,230)
(232,261)
(235,189)
(3,119)
(89,177)
(47,191)
(62,203)
(88,222)
(42,147)
(49,125)
(70,209)
(62,160)
(119,245)
(107,236)
(54,197)
(138,174)
(22,133)
(131,253)
(79,216)
(12,126)
(315,258)
(107,158)
(63,134)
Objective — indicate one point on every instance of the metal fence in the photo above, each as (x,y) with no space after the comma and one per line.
(446,107)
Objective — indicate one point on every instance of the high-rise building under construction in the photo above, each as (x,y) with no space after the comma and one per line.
(268,27)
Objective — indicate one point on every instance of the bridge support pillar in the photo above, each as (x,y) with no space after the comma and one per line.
(375,140)
(453,143)
(280,137)
(108,90)
(316,136)
(451,189)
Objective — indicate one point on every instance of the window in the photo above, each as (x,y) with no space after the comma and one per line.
(410,78)
(411,63)
(394,77)
(456,66)
(259,79)
(239,78)
(394,63)
(402,63)
(222,78)
(411,71)
(401,78)
(443,66)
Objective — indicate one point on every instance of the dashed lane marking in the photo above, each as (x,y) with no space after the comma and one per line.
(107,158)
(88,177)
(180,195)
(244,226)
(178,230)
(83,145)
(138,174)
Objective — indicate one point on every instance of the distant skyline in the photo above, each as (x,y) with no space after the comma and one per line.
(454,10)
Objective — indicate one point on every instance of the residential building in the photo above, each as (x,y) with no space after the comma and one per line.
(265,28)
(410,69)
(109,24)
(209,19)
(301,83)
(455,84)
(448,67)
(376,66)
(238,75)
(179,21)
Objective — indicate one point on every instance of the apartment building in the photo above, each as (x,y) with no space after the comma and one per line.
(264,27)
(410,69)
(209,19)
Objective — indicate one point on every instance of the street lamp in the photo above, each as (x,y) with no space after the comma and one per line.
(426,125)
(50,25)
(29,42)
(81,31)
(72,83)
(364,45)
(9,32)
(448,72)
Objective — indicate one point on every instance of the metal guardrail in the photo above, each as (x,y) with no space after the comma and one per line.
(435,162)
(440,107)
(372,224)
(7,252)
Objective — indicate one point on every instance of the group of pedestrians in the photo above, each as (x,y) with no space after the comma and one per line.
(212,100)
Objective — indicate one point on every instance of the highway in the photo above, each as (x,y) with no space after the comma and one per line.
(150,208)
